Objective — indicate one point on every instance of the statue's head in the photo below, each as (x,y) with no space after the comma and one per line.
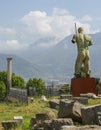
(80,30)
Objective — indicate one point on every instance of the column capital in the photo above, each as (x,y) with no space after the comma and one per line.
(9,58)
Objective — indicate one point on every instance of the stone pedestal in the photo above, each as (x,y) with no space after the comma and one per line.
(83,86)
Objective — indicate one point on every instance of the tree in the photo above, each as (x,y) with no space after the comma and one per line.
(17,81)
(65,89)
(3,77)
(98,85)
(2,90)
(38,84)
(30,83)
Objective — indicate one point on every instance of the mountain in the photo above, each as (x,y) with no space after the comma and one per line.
(20,66)
(56,62)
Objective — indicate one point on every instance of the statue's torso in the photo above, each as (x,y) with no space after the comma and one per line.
(82,41)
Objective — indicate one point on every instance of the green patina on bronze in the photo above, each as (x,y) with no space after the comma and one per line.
(82,65)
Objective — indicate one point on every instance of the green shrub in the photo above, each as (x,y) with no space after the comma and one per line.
(38,84)
(2,90)
(65,89)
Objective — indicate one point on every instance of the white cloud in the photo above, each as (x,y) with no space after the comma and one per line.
(59,24)
(11,45)
(57,11)
(37,22)
(7,31)
(14,44)
(40,25)
(86,18)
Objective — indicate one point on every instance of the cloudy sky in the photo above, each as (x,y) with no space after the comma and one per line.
(25,22)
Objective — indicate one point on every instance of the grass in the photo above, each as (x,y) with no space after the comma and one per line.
(93,102)
(8,111)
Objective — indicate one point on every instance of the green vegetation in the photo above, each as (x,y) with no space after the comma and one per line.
(8,111)
(38,84)
(16,80)
(98,85)
(14,108)
(65,89)
(2,90)
(93,102)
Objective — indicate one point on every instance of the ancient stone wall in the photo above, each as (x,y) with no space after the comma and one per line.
(20,94)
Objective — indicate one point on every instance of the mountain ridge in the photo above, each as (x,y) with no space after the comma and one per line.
(56,62)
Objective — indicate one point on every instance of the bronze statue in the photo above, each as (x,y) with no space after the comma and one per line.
(82,64)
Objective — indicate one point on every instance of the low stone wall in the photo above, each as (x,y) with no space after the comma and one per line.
(32,91)
(19,94)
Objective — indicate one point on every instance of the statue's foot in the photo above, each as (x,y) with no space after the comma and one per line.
(77,75)
(87,75)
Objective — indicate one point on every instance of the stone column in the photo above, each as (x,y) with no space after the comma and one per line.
(9,74)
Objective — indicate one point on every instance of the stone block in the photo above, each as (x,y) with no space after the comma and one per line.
(90,95)
(98,116)
(66,96)
(83,86)
(98,113)
(47,125)
(9,124)
(54,103)
(57,123)
(70,109)
(88,115)
(18,118)
(33,121)
(98,108)
(82,100)
(41,117)
(89,127)
(68,127)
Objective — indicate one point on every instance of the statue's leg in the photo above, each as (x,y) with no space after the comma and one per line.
(87,64)
(78,63)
